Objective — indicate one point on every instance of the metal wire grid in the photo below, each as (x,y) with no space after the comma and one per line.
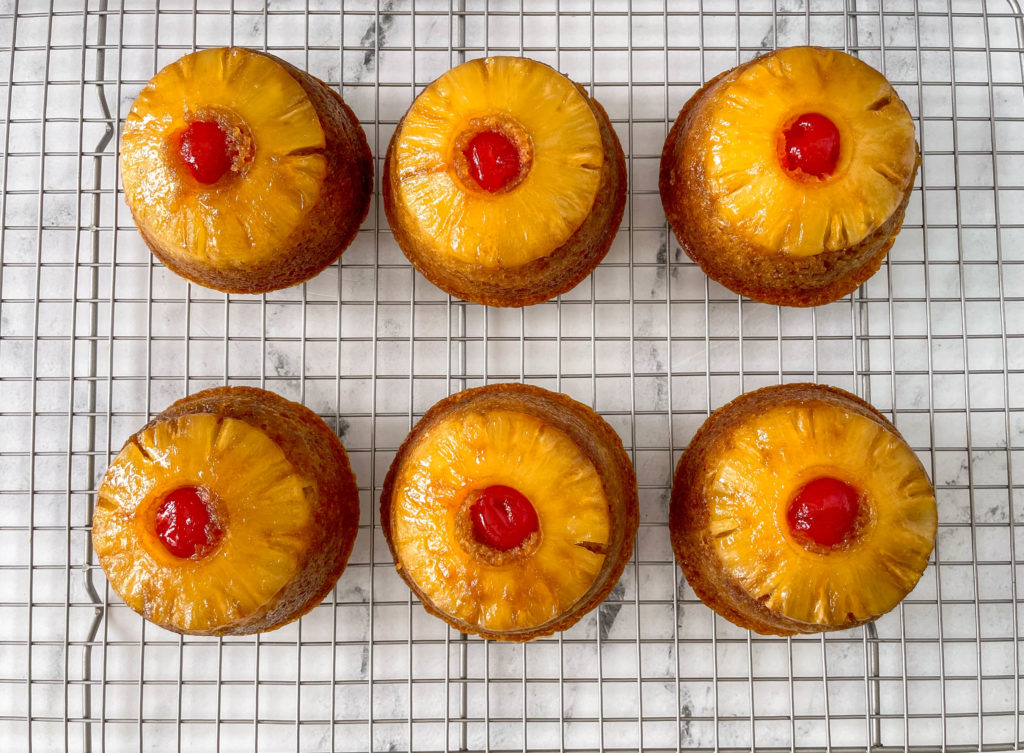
(96,338)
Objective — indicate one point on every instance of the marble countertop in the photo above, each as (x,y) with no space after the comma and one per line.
(95,337)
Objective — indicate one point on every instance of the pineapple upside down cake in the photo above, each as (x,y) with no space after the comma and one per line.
(799,509)
(243,173)
(504,183)
(786,178)
(232,512)
(510,511)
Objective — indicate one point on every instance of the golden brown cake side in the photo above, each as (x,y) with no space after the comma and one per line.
(742,266)
(539,280)
(594,438)
(689,516)
(331,223)
(319,455)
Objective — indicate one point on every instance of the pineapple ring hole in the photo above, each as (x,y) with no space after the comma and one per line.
(492,155)
(185,523)
(215,144)
(493,160)
(809,146)
(467,529)
(827,514)
(502,517)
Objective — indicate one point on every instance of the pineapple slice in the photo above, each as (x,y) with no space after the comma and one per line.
(749,184)
(277,171)
(548,120)
(471,451)
(262,547)
(765,464)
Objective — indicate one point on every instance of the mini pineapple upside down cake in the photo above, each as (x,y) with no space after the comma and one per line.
(504,183)
(510,511)
(800,509)
(787,177)
(232,512)
(243,173)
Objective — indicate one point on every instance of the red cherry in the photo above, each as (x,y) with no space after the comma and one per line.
(184,523)
(812,145)
(502,517)
(825,511)
(493,160)
(205,151)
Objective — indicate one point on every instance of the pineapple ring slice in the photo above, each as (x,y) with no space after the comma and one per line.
(752,191)
(546,206)
(767,461)
(266,507)
(230,223)
(469,452)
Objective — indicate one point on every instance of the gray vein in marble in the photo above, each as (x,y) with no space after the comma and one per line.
(280,362)
(685,712)
(375,35)
(610,609)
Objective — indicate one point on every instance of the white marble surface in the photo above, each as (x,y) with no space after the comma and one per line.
(95,337)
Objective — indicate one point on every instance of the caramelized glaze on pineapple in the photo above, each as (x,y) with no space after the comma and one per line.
(449,211)
(269,558)
(737,481)
(778,210)
(260,551)
(253,218)
(510,511)
(468,453)
(245,90)
(770,459)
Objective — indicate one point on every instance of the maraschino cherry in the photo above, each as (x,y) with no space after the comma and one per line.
(185,525)
(206,151)
(811,145)
(493,160)
(502,518)
(824,511)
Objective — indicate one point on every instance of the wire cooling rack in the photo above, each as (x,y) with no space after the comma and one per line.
(95,337)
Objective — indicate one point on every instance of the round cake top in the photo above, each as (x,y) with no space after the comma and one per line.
(498,162)
(222,157)
(499,518)
(201,520)
(807,150)
(820,512)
